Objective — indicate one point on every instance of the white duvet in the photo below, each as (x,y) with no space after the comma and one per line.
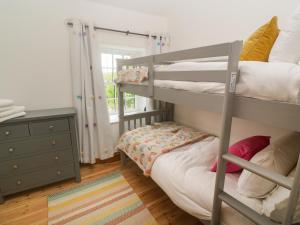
(267,81)
(184,175)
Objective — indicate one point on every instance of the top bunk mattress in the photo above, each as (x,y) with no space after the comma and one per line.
(192,66)
(262,80)
(266,81)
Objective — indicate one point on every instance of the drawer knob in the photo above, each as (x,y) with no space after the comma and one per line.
(19,182)
(11,150)
(15,166)
(56,158)
(7,133)
(51,127)
(58,172)
(53,142)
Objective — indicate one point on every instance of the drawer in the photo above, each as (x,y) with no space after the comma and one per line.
(13,131)
(48,126)
(35,179)
(29,164)
(13,150)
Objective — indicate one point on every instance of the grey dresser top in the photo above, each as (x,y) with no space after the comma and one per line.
(42,114)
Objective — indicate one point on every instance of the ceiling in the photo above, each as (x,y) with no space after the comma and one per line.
(157,7)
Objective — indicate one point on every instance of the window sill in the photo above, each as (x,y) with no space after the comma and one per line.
(113,119)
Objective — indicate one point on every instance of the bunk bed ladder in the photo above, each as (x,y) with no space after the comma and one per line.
(279,179)
(221,196)
(227,113)
(294,196)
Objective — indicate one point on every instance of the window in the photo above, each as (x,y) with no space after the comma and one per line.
(109,58)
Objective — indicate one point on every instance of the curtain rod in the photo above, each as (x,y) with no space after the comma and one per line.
(121,31)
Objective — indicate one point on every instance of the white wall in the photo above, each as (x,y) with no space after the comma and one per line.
(196,23)
(34,43)
(204,22)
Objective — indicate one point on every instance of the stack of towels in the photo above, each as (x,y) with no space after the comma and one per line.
(8,110)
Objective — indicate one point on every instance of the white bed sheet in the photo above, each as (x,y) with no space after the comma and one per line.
(184,175)
(268,81)
(192,66)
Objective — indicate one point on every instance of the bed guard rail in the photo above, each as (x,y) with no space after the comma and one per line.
(206,52)
(146,61)
(135,120)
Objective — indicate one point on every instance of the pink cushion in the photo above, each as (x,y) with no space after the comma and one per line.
(244,149)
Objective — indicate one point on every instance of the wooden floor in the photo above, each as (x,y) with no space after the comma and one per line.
(30,208)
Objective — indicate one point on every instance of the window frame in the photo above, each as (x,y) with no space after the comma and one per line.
(123,51)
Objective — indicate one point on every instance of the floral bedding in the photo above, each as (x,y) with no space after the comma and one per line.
(133,75)
(145,144)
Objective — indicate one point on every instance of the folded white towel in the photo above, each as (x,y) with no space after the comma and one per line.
(6,102)
(14,110)
(2,109)
(12,116)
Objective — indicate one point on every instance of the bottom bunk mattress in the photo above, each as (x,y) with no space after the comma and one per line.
(145,144)
(184,174)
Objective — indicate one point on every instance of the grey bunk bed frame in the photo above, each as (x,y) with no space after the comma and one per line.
(278,114)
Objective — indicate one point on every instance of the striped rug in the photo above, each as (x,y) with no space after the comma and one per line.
(109,200)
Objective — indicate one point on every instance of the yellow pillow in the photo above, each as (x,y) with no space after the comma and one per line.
(259,44)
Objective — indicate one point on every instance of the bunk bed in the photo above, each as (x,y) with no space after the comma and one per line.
(282,114)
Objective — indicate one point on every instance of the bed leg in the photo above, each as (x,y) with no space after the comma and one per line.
(121,118)
(1,199)
(204,222)
(123,158)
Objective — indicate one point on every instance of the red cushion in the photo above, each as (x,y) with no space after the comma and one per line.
(244,149)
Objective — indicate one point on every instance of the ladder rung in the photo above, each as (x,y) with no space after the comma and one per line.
(245,210)
(263,172)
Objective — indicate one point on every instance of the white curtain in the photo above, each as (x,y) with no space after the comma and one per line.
(94,130)
(158,45)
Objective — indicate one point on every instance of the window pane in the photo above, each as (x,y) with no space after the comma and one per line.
(109,69)
(115,59)
(110,90)
(130,104)
(106,60)
(129,95)
(114,75)
(112,105)
(107,75)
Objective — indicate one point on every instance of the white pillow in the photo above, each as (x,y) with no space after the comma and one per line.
(275,204)
(287,46)
(293,23)
(208,151)
(281,156)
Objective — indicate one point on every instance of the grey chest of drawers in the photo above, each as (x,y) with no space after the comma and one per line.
(38,149)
